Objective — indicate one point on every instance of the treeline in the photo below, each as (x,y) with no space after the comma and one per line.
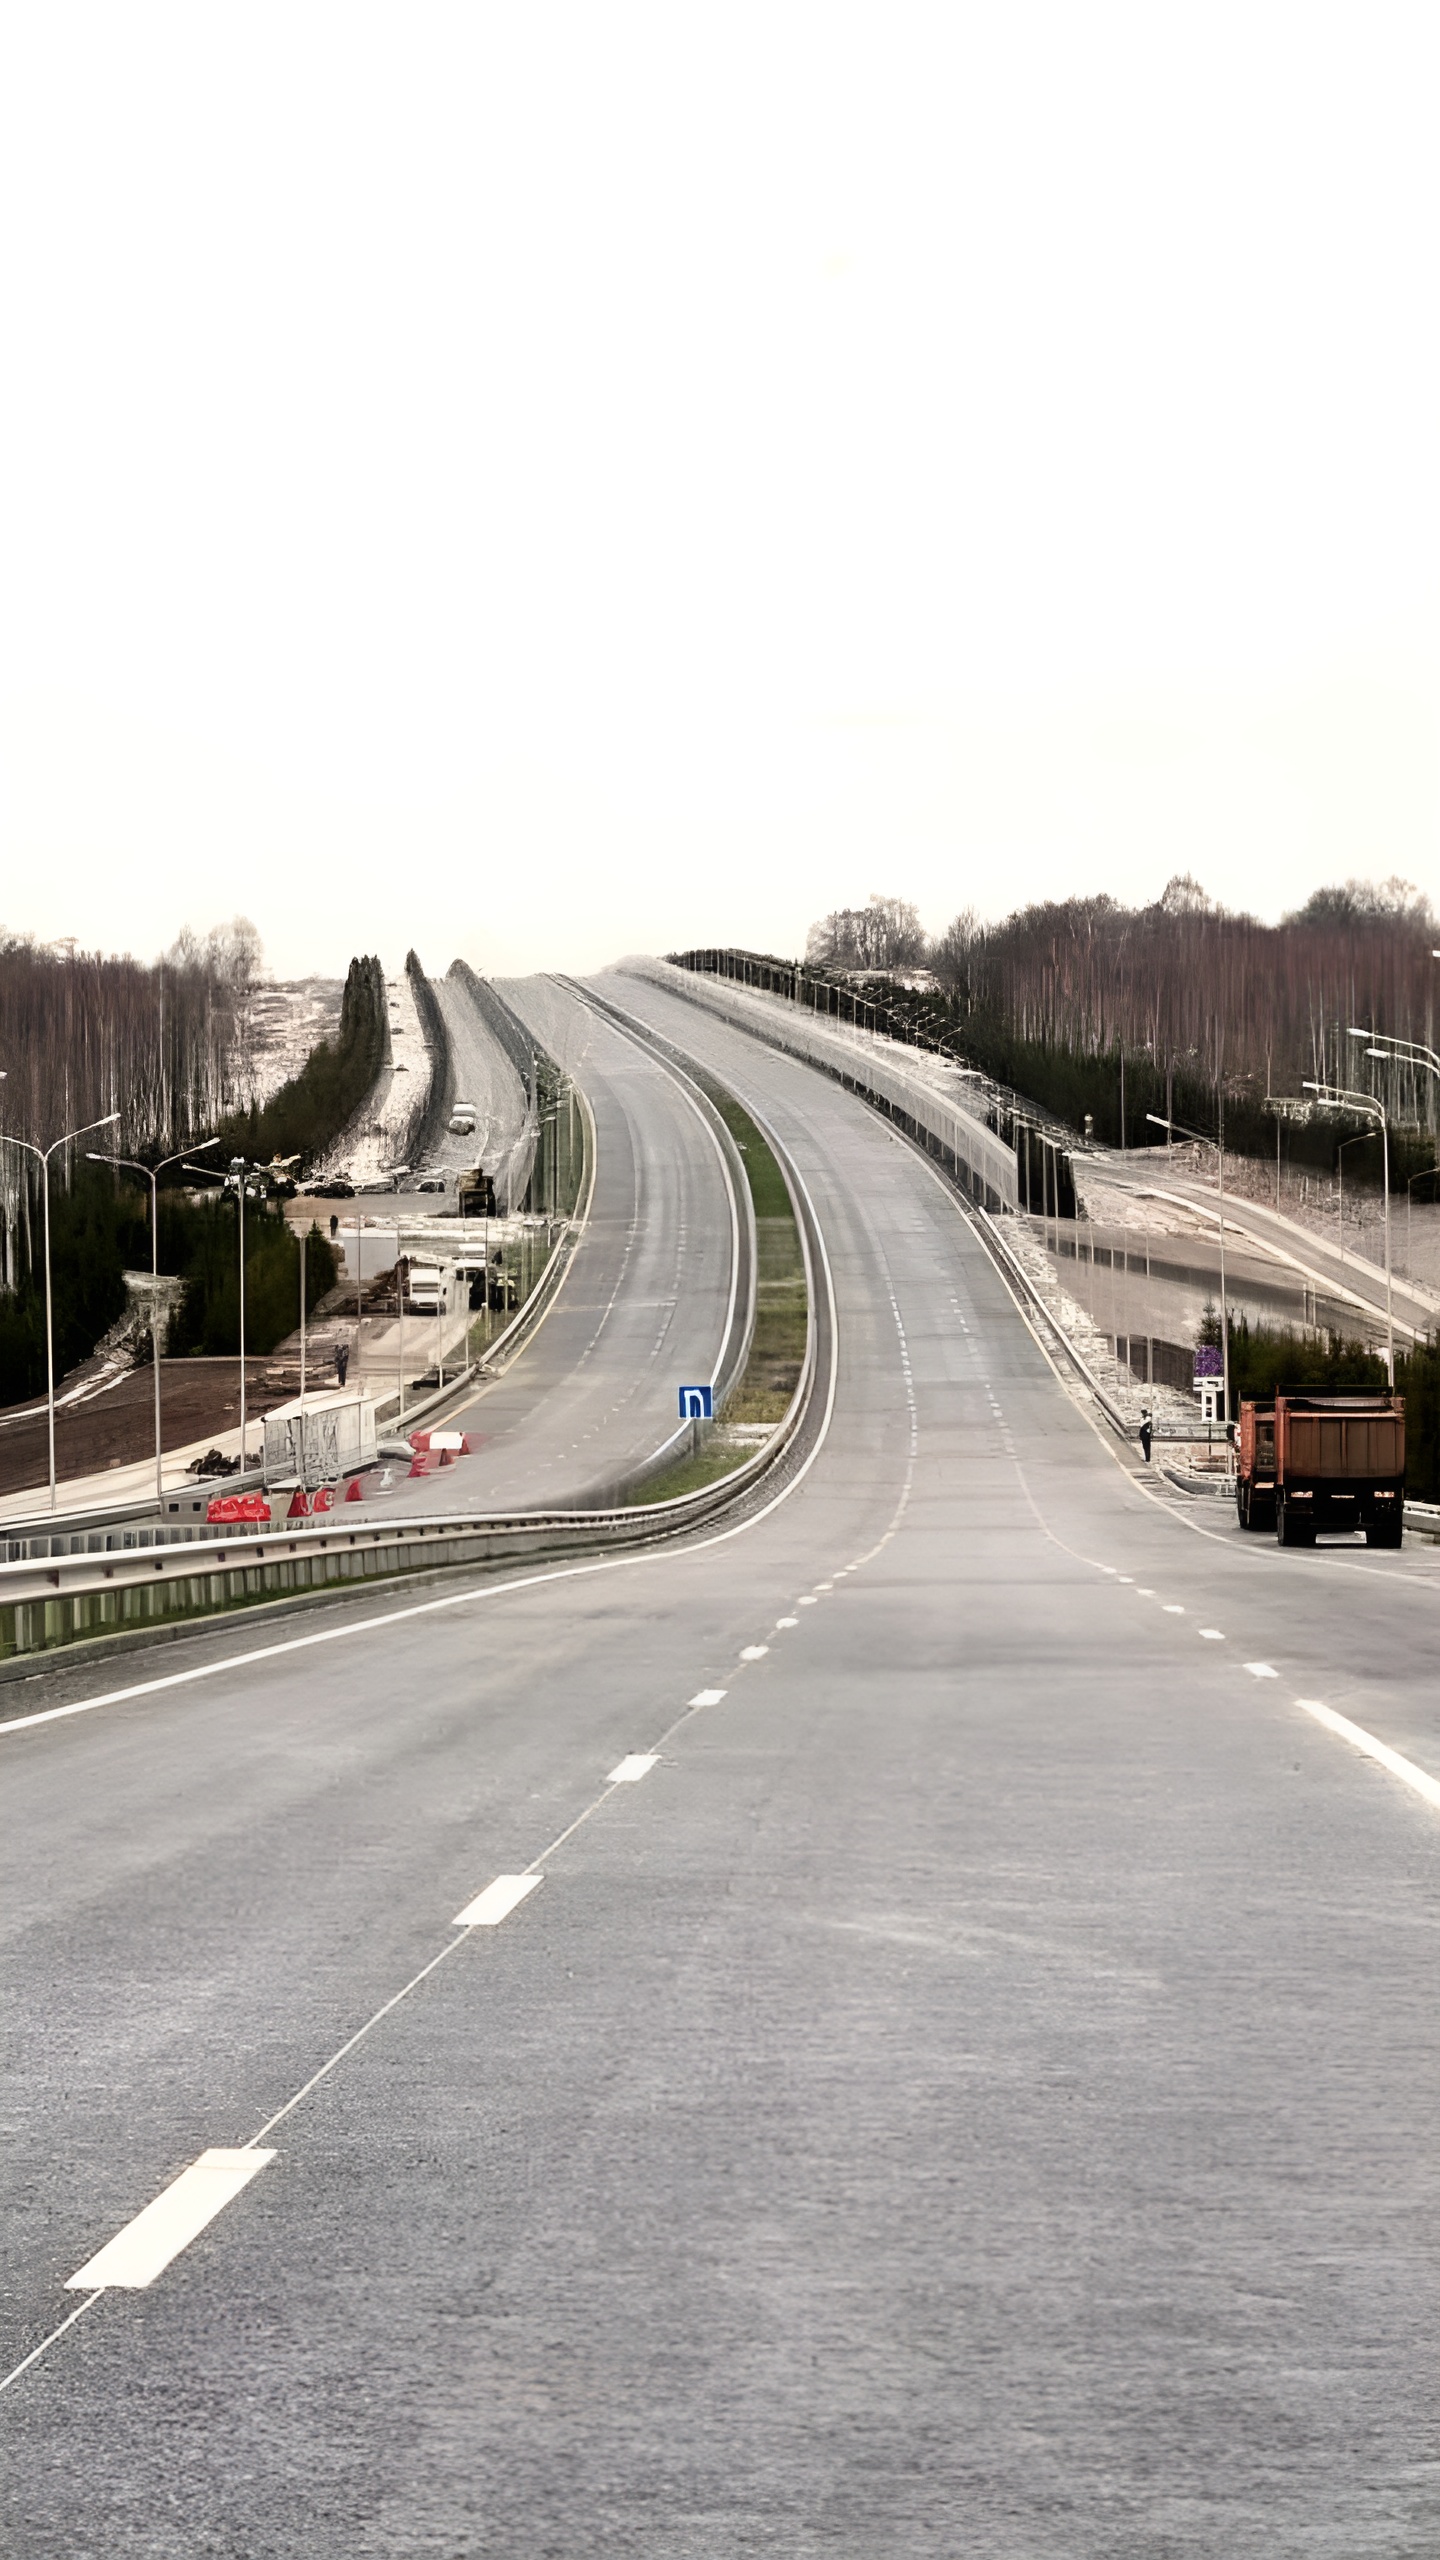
(1104,1015)
(1230,1002)
(312,1111)
(100,1228)
(83,1034)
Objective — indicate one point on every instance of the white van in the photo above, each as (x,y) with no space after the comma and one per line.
(425,1293)
(463,1116)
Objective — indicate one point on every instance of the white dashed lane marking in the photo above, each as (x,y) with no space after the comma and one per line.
(634,1766)
(496,1902)
(137,2255)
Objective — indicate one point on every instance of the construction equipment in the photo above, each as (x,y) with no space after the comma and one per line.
(475,1193)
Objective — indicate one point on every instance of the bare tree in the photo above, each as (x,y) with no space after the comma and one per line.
(885,934)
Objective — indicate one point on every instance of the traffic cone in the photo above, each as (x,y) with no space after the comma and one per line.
(354,1491)
(299,1504)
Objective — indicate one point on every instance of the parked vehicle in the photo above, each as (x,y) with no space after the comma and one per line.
(425,1293)
(463,1116)
(1312,1462)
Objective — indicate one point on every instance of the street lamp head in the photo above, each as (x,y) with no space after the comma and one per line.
(1377,1053)
(1357,1034)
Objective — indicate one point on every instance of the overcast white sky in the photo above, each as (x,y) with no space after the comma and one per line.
(548,481)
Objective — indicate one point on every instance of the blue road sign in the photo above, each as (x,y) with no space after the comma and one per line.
(697,1404)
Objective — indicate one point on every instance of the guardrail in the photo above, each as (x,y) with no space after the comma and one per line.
(875,1068)
(64,1600)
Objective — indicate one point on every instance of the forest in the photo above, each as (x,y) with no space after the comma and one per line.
(100,1228)
(83,1035)
(1103,1013)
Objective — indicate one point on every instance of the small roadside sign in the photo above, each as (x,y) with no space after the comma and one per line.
(697,1404)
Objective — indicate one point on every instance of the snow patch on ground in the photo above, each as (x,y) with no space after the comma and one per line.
(281,1022)
(1129,1394)
(380,1133)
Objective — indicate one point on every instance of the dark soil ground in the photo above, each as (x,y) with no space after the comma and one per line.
(117,1426)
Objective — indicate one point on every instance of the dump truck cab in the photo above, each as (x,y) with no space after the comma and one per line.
(1255,1465)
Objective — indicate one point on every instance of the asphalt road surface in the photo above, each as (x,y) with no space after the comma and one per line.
(974,2093)
(479,1073)
(642,1311)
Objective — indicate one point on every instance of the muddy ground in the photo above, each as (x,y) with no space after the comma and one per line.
(117,1426)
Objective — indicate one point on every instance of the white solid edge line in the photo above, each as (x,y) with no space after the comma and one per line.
(1374,1749)
(158,2233)
(491,1590)
(496,1902)
(635,1765)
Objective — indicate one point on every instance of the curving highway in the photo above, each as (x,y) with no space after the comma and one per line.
(643,1308)
(971,2089)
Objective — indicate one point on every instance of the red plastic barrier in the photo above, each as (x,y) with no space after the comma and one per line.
(223,1506)
(354,1491)
(447,1457)
(252,1506)
(420,1465)
(324,1499)
(299,1504)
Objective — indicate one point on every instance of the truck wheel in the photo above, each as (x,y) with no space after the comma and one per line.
(1384,1535)
(1289,1531)
(1242,1506)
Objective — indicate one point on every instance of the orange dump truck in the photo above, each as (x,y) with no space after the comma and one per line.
(1313,1461)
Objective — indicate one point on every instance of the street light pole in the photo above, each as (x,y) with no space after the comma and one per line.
(152,1174)
(235,1180)
(42,1156)
(1171,1126)
(1366,1103)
